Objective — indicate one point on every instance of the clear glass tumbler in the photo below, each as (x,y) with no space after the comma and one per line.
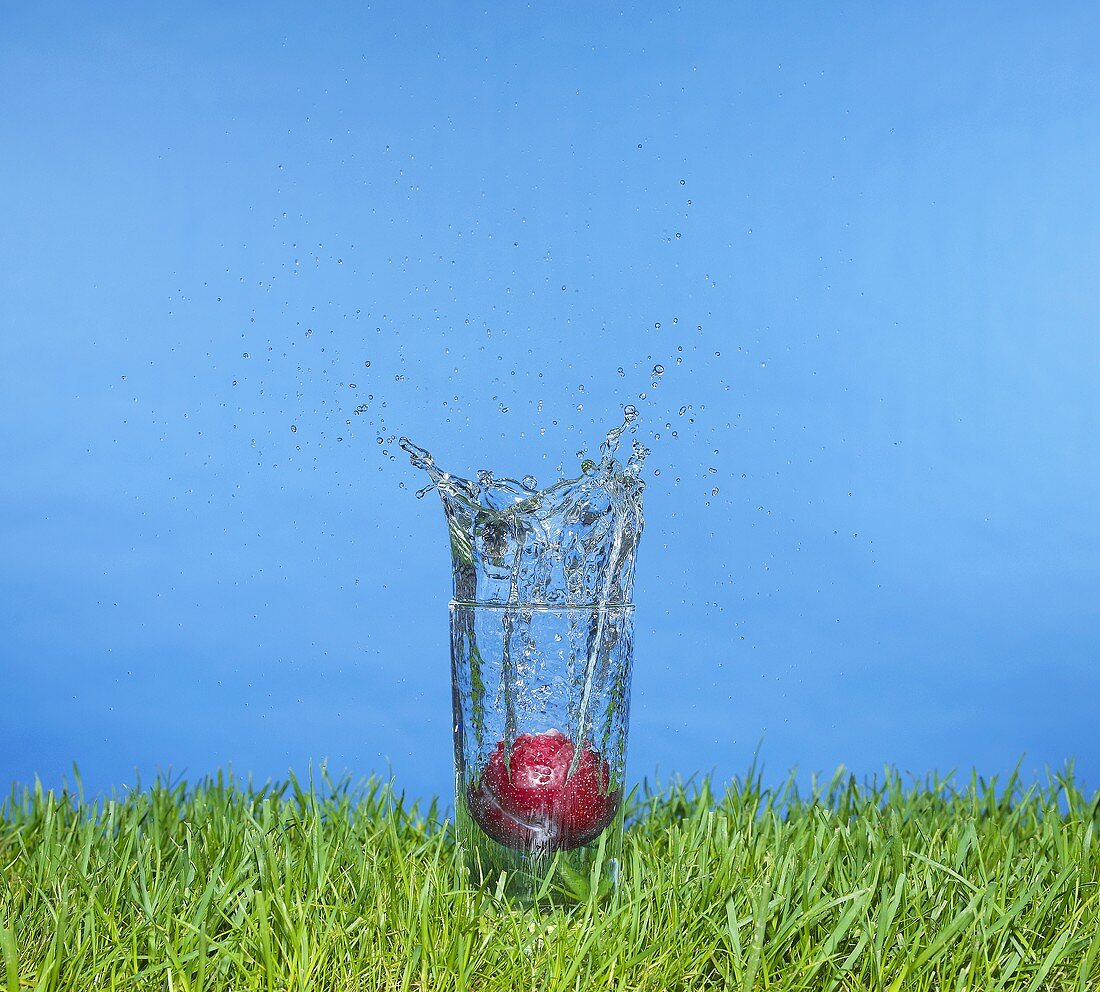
(541,647)
(541,703)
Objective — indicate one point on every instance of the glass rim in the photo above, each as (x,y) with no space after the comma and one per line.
(545,607)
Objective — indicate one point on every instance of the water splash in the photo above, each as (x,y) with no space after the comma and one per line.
(572,543)
(569,545)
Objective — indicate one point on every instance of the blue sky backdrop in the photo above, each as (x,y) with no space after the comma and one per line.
(861,240)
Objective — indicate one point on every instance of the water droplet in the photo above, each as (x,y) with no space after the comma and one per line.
(683,410)
(657,325)
(245,355)
(714,491)
(530,482)
(366,365)
(630,411)
(293,428)
(658,370)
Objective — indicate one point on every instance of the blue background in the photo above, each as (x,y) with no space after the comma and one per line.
(862,242)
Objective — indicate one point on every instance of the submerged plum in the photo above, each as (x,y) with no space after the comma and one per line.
(531,802)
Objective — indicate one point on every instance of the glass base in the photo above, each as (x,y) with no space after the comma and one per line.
(544,878)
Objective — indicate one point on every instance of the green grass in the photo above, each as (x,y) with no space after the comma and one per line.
(888,886)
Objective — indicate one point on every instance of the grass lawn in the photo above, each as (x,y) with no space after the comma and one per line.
(889,886)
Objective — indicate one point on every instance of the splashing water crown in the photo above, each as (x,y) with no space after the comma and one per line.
(570,544)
